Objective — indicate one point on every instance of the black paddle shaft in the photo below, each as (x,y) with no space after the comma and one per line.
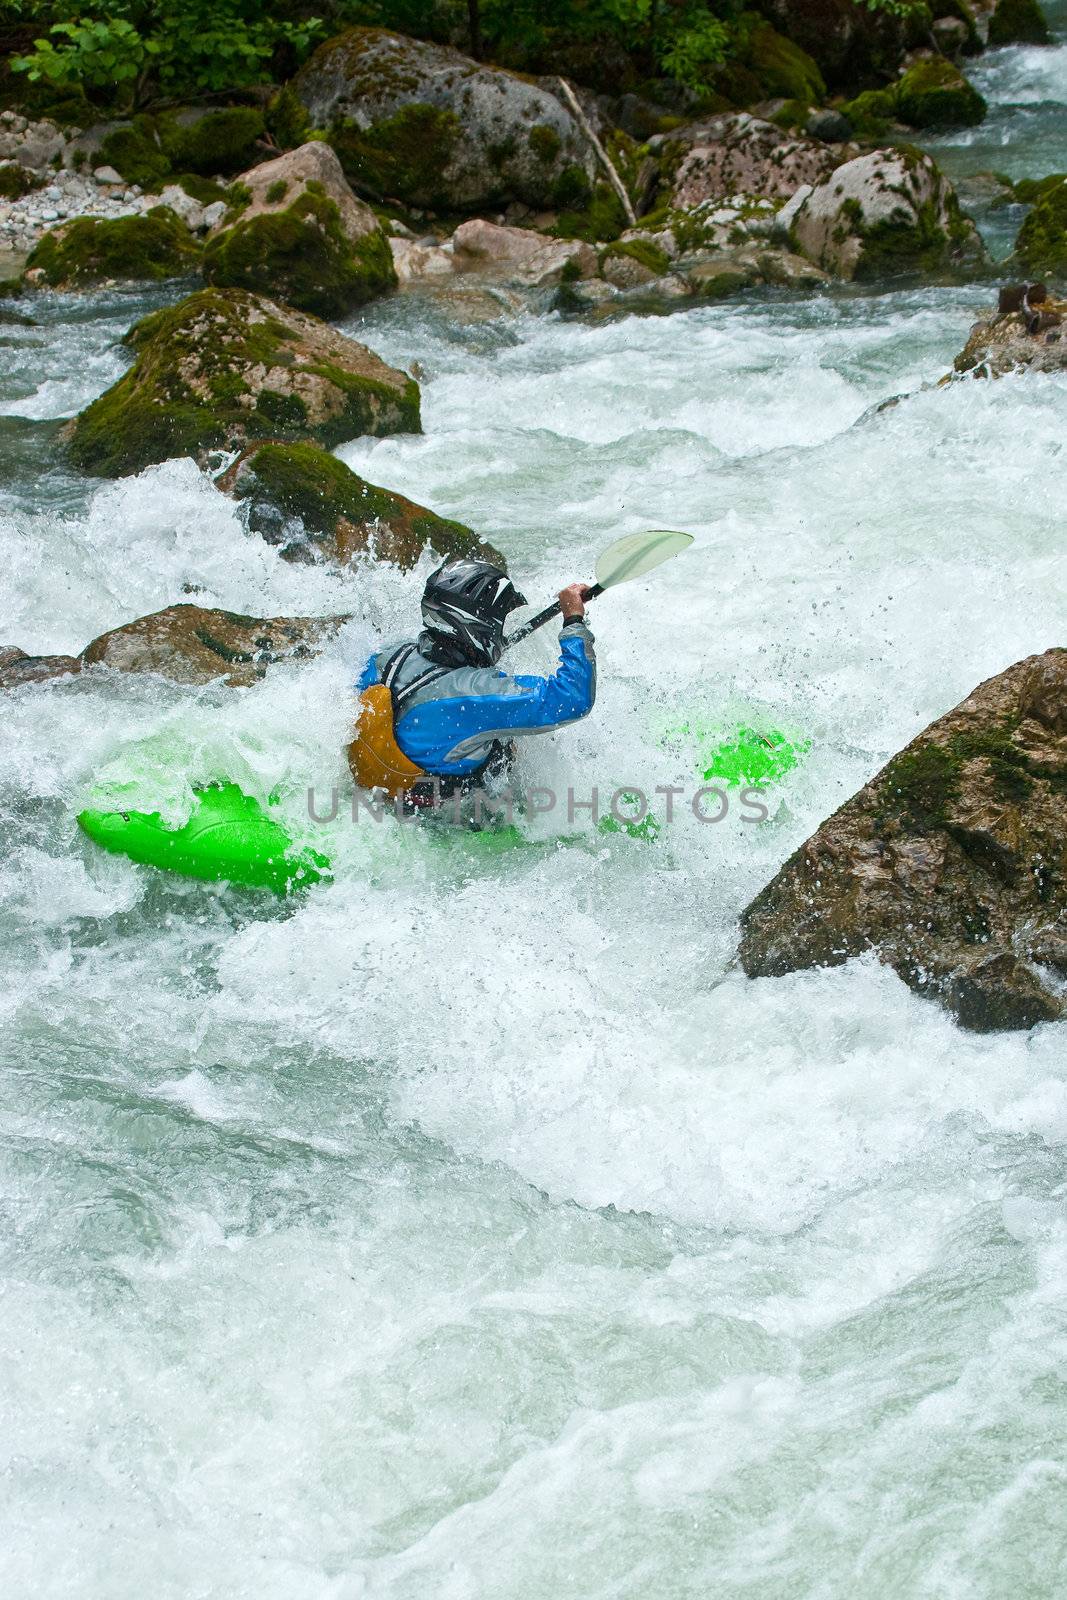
(546,616)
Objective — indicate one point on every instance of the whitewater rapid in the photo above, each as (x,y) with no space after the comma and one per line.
(471,1227)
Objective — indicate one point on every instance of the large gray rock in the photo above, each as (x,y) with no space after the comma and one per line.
(423,124)
(741,154)
(886,212)
(275,185)
(951,864)
(201,644)
(518,255)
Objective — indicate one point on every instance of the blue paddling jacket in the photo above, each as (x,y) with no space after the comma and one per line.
(450,725)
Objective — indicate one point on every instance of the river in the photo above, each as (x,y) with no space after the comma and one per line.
(471,1227)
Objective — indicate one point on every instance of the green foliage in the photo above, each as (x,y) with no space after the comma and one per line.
(222,141)
(151,247)
(16,181)
(287,119)
(134,153)
(128,51)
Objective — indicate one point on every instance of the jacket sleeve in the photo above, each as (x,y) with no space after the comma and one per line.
(487,705)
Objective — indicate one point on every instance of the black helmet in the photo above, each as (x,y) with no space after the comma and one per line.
(464,607)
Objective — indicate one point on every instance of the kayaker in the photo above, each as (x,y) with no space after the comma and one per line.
(438,717)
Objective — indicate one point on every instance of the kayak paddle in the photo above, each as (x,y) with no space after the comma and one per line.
(629,557)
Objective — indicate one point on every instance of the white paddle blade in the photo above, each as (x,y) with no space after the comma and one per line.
(638,553)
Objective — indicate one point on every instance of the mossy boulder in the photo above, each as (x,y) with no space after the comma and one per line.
(422,124)
(150,148)
(150,247)
(304,500)
(1018,22)
(780,66)
(301,234)
(225,367)
(950,865)
(855,46)
(885,213)
(1041,247)
(738,153)
(872,112)
(935,94)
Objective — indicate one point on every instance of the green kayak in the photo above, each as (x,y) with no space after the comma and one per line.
(228,839)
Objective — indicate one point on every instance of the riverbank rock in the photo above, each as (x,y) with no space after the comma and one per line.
(315,508)
(200,644)
(741,154)
(146,248)
(1030,336)
(888,212)
(1017,22)
(519,255)
(302,235)
(951,863)
(853,45)
(425,125)
(1041,246)
(225,367)
(934,94)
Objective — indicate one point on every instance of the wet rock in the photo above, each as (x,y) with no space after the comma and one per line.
(832,127)
(315,508)
(17,668)
(88,251)
(414,261)
(519,255)
(423,124)
(888,212)
(951,863)
(1030,332)
(225,367)
(739,153)
(303,236)
(199,644)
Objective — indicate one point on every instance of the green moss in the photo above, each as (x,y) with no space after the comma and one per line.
(920,785)
(276,191)
(220,142)
(304,481)
(155,245)
(201,189)
(544,142)
(794,114)
(1018,22)
(935,94)
(16,181)
(301,255)
(1030,190)
(782,67)
(643,250)
(571,190)
(405,157)
(135,154)
(871,112)
(602,220)
(287,119)
(155,412)
(1042,243)
(894,247)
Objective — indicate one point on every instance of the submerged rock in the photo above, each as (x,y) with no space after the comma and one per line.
(150,247)
(225,367)
(887,212)
(951,863)
(200,644)
(315,508)
(425,125)
(302,235)
(17,667)
(1030,332)
(740,154)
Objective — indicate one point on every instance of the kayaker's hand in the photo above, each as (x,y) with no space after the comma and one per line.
(572,600)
